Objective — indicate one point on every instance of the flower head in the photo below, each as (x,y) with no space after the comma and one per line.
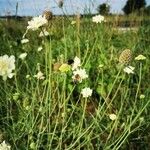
(129,69)
(79,75)
(112,117)
(98,19)
(23,41)
(4,146)
(40,48)
(86,92)
(36,23)
(39,76)
(142,96)
(125,57)
(76,63)
(44,33)
(23,56)
(140,57)
(7,65)
(48,15)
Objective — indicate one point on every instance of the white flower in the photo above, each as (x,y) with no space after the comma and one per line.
(23,56)
(4,146)
(23,41)
(40,48)
(129,69)
(140,57)
(86,92)
(43,33)
(79,75)
(77,63)
(36,23)
(7,65)
(98,18)
(112,116)
(142,96)
(73,22)
(39,76)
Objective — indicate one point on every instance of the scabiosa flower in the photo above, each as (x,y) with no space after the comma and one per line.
(48,15)
(79,75)
(4,146)
(7,65)
(23,41)
(23,56)
(112,117)
(140,57)
(36,23)
(40,48)
(129,69)
(86,92)
(125,57)
(142,96)
(98,19)
(39,76)
(44,33)
(76,63)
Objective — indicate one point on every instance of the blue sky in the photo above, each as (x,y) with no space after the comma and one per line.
(36,7)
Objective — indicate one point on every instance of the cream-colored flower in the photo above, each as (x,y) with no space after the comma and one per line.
(23,41)
(40,48)
(112,117)
(76,63)
(23,56)
(142,96)
(7,65)
(44,33)
(98,19)
(140,57)
(129,69)
(36,23)
(86,92)
(39,75)
(73,22)
(4,146)
(79,75)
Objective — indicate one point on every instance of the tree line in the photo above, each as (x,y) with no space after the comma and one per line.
(132,6)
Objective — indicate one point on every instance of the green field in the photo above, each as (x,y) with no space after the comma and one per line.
(49,112)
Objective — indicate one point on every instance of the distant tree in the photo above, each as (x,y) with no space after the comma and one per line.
(103,9)
(147,10)
(134,6)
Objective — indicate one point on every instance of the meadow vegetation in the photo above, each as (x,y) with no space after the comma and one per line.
(43,105)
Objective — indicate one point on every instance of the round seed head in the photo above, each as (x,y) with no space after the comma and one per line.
(48,15)
(125,57)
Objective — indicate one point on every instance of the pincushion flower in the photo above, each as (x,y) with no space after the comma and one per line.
(79,75)
(112,117)
(39,48)
(23,56)
(44,33)
(4,146)
(64,68)
(98,19)
(39,75)
(36,23)
(129,70)
(86,92)
(7,65)
(140,57)
(76,63)
(23,41)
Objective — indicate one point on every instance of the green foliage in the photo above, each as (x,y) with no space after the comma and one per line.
(134,6)
(51,113)
(103,9)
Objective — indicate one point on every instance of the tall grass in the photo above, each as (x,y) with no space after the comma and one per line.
(51,113)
